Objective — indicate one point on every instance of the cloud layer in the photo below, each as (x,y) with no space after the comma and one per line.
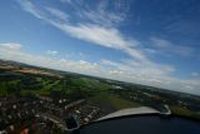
(101,28)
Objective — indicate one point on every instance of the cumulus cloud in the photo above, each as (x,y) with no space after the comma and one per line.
(195,74)
(11,46)
(66,1)
(46,61)
(52,52)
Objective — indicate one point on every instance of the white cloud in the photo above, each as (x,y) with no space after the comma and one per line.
(100,15)
(100,12)
(66,1)
(115,72)
(109,63)
(158,76)
(106,37)
(46,61)
(58,14)
(31,8)
(168,47)
(195,74)
(98,35)
(11,46)
(52,52)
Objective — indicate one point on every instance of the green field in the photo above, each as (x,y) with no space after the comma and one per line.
(182,111)
(112,102)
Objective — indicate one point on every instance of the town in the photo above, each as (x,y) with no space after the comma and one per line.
(36,114)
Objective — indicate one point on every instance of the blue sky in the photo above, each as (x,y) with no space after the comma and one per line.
(147,42)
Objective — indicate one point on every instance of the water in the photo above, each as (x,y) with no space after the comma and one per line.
(144,125)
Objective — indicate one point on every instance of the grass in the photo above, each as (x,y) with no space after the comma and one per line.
(113,101)
(89,84)
(182,111)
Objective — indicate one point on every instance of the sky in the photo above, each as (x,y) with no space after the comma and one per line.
(150,42)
